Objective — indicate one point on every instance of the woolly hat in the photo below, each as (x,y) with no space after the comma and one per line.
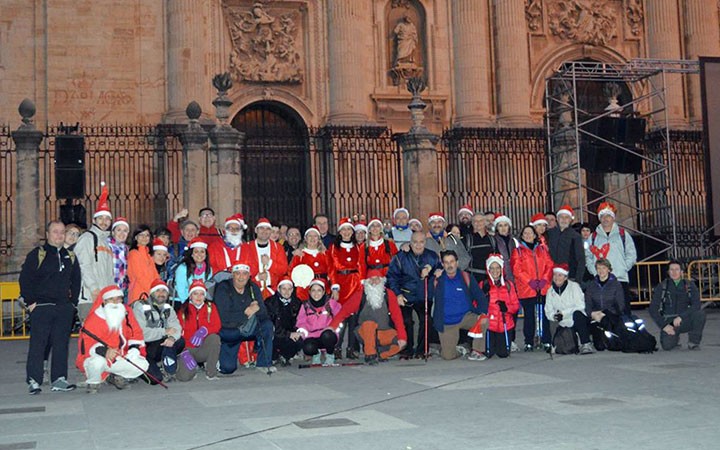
(399,210)
(566,209)
(285,280)
(538,219)
(361,226)
(197,243)
(120,221)
(263,223)
(501,218)
(110,291)
(103,207)
(562,268)
(158,244)
(496,258)
(436,216)
(318,281)
(466,208)
(197,285)
(158,284)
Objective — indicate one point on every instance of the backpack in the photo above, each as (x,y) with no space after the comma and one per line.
(42,253)
(628,334)
(622,237)
(565,341)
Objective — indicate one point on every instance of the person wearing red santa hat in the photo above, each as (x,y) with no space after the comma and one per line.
(465,215)
(566,245)
(118,244)
(194,266)
(266,258)
(415,225)
(123,341)
(223,255)
(141,267)
(502,305)
(540,225)
(208,230)
(311,252)
(565,305)
(378,251)
(200,323)
(401,233)
(347,271)
(532,267)
(505,243)
(95,256)
(313,324)
(361,231)
(161,330)
(283,308)
(438,240)
(479,245)
(375,306)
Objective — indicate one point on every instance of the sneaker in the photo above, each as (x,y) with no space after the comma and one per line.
(371,360)
(546,348)
(269,369)
(33,387)
(514,348)
(693,346)
(476,356)
(117,381)
(529,348)
(586,349)
(62,385)
(92,388)
(351,354)
(462,350)
(211,377)
(329,360)
(338,353)
(316,359)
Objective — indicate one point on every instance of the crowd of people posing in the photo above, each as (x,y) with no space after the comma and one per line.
(195,296)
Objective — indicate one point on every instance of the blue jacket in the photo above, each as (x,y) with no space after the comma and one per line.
(403,276)
(476,298)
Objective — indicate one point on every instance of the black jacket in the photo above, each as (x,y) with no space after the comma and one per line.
(567,247)
(283,316)
(231,305)
(56,280)
(669,301)
(605,297)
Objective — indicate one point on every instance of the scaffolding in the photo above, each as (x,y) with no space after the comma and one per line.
(569,127)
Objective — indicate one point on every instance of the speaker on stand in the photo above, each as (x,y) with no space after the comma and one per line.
(70,174)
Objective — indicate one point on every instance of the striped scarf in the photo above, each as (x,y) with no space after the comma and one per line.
(119,250)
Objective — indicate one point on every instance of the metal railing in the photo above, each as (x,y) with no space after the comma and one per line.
(706,273)
(646,275)
(13,324)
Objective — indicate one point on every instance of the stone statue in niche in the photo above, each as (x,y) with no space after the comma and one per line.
(265,47)
(406,64)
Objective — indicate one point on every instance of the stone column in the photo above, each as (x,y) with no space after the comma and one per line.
(194,141)
(225,177)
(188,50)
(702,38)
(663,42)
(512,63)
(419,158)
(472,63)
(350,50)
(27,218)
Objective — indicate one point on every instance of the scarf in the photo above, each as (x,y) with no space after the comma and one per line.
(437,237)
(119,250)
(200,269)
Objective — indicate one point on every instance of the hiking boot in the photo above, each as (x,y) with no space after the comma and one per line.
(211,377)
(117,381)
(351,354)
(338,353)
(546,347)
(514,348)
(371,360)
(586,349)
(269,369)
(62,385)
(476,356)
(462,350)
(693,346)
(529,348)
(33,387)
(92,388)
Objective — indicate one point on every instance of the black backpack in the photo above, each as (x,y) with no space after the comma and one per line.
(628,334)
(565,341)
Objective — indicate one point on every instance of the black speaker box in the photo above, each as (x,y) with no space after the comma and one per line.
(70,152)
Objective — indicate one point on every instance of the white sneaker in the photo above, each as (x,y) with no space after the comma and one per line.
(476,356)
(462,350)
(513,347)
(270,369)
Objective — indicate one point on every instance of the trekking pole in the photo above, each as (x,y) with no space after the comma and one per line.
(145,372)
(426,345)
(507,339)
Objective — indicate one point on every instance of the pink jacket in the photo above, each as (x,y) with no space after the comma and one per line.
(311,321)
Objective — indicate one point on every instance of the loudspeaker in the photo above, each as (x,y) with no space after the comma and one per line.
(70,166)
(599,156)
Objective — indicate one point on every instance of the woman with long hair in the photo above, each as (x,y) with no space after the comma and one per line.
(141,267)
(194,266)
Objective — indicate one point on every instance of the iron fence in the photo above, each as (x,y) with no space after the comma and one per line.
(7,189)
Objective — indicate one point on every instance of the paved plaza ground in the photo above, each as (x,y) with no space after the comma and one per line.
(666,400)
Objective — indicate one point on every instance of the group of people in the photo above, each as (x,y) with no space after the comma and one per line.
(195,296)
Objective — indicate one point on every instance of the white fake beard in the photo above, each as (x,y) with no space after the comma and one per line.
(234,239)
(375,295)
(114,315)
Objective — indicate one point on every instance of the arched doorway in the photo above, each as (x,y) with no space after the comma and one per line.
(273,164)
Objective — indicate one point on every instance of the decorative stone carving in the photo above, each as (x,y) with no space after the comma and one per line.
(534,15)
(401,4)
(266,45)
(406,42)
(586,21)
(635,15)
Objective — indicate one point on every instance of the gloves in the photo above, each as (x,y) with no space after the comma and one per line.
(486,287)
(188,360)
(502,306)
(541,284)
(534,285)
(558,317)
(199,337)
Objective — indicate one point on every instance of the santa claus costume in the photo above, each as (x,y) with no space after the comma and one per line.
(223,255)
(276,267)
(313,254)
(115,325)
(377,250)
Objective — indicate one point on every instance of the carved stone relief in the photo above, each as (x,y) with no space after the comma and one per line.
(266,42)
(634,14)
(534,15)
(585,21)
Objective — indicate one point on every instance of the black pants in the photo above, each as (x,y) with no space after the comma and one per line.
(286,347)
(529,308)
(156,353)
(49,324)
(349,326)
(693,323)
(326,341)
(495,344)
(409,322)
(628,296)
(581,325)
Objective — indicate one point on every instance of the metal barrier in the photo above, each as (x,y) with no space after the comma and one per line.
(12,314)
(706,273)
(645,276)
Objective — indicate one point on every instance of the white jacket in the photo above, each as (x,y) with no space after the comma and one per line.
(95,274)
(622,256)
(571,300)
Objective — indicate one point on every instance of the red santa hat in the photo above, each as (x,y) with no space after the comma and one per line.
(399,210)
(606,208)
(501,218)
(476,331)
(414,220)
(345,222)
(312,229)
(197,243)
(319,282)
(241,267)
(436,216)
(466,208)
(361,226)
(237,219)
(158,244)
(496,258)
(375,220)
(109,292)
(197,285)
(120,221)
(263,223)
(374,273)
(562,268)
(566,209)
(538,219)
(286,280)
(103,207)
(158,284)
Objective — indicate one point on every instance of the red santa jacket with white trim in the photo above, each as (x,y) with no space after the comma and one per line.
(276,269)
(192,318)
(222,257)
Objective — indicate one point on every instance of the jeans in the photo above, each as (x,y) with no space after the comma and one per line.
(230,339)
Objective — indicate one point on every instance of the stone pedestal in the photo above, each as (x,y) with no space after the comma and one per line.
(419,172)
(702,38)
(195,144)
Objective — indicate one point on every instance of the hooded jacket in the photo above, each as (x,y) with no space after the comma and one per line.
(96,262)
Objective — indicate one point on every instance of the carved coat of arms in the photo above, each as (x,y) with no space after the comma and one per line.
(265,46)
(587,21)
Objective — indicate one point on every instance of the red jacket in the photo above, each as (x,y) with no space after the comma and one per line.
(353,306)
(222,258)
(320,266)
(529,265)
(347,269)
(276,269)
(505,293)
(378,257)
(192,318)
(130,334)
(207,234)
